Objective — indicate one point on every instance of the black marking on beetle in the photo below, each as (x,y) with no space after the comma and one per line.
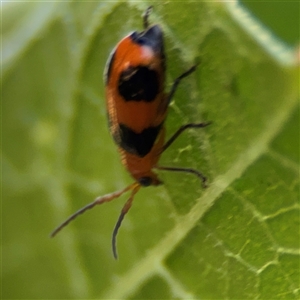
(139,84)
(139,144)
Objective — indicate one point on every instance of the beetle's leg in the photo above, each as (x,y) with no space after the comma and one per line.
(180,130)
(177,81)
(186,170)
(146,15)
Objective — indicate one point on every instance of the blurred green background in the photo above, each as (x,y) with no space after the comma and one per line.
(57,155)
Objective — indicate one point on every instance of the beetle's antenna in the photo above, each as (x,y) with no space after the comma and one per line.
(97,201)
(135,187)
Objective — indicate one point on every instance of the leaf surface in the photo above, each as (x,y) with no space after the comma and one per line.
(237,239)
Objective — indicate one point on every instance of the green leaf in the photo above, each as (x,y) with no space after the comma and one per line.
(237,239)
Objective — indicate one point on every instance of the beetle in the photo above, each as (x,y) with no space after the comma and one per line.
(137,107)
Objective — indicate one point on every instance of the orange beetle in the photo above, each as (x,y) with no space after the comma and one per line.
(137,108)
